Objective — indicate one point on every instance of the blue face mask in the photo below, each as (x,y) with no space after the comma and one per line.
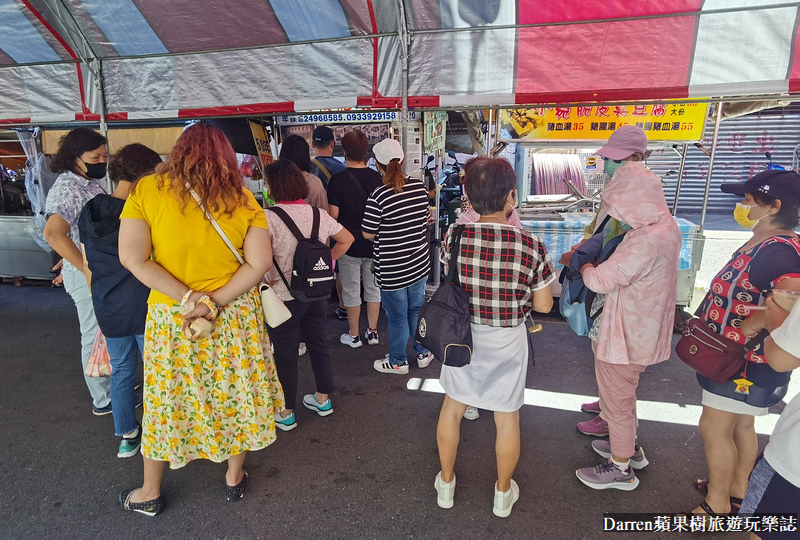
(611,165)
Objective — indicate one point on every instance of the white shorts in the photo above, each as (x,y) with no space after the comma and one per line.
(353,271)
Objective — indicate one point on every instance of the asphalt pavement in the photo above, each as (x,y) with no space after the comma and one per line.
(365,471)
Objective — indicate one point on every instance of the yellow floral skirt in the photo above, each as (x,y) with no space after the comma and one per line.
(209,399)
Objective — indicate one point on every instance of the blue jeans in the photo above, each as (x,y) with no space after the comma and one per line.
(124,353)
(402,311)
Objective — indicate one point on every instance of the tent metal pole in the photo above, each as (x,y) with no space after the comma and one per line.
(680,180)
(403,29)
(488,138)
(717,120)
(97,67)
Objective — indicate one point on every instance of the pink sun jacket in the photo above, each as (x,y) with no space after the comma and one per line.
(640,278)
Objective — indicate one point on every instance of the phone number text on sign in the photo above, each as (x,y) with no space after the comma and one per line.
(341,118)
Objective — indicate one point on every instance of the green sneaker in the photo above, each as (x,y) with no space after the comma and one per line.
(323,409)
(129,446)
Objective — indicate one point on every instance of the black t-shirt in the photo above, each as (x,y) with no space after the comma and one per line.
(351,198)
(773,261)
(119,299)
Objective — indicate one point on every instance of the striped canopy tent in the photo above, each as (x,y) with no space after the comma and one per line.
(68,60)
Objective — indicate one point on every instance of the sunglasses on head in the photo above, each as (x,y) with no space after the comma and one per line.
(617,161)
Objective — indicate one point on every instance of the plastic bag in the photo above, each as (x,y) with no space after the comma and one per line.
(99,364)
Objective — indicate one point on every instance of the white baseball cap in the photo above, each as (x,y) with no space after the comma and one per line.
(387,150)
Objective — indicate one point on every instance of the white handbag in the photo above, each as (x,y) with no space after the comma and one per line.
(275,311)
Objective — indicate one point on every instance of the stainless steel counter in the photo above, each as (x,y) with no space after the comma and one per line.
(19,254)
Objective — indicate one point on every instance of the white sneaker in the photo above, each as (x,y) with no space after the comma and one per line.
(444,492)
(302,349)
(347,339)
(424,359)
(384,366)
(504,501)
(472,413)
(371,337)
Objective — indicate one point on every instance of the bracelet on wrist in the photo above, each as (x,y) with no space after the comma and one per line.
(211,304)
(186,297)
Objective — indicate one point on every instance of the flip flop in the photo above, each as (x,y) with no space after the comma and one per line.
(706,508)
(736,505)
(701,485)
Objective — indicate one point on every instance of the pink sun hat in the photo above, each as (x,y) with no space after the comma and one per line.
(624,142)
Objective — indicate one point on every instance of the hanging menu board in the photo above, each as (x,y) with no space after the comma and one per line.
(662,122)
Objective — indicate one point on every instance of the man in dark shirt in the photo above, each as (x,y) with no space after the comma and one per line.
(348,191)
(323,164)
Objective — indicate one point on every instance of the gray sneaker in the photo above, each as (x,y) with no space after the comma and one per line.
(608,476)
(638,460)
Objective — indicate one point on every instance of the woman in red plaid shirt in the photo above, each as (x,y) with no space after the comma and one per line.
(507,273)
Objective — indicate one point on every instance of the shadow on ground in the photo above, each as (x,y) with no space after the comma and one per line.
(364,472)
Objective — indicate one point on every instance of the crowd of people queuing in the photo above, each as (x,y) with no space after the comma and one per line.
(183,240)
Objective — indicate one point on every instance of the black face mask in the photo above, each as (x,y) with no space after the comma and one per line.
(95,170)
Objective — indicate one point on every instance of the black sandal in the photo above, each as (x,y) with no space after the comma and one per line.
(701,485)
(149,508)
(234,493)
(708,510)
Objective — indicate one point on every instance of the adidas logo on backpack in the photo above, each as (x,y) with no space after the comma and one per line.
(321,265)
(312,265)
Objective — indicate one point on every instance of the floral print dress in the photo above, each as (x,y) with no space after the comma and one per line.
(209,399)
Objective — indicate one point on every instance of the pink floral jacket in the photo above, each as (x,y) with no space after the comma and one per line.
(640,278)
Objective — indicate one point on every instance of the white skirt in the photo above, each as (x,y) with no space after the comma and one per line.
(734,406)
(495,377)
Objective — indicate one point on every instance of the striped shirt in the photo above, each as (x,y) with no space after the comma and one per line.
(399,221)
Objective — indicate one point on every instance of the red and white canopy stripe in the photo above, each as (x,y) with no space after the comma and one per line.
(170,58)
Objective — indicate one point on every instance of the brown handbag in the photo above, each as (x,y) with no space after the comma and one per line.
(711,355)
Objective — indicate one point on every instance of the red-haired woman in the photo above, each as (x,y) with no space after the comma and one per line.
(213,398)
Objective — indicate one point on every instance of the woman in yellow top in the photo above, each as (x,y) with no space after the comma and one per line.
(214,398)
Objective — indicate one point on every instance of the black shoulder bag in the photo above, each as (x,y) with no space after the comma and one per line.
(444,322)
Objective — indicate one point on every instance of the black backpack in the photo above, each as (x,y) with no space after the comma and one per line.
(312,266)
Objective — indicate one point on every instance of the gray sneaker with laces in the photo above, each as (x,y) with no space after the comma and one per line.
(608,476)
(638,460)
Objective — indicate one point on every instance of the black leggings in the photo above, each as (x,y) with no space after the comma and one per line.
(311,319)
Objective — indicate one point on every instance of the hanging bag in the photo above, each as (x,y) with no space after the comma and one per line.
(576,298)
(99,364)
(275,311)
(444,322)
(711,355)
